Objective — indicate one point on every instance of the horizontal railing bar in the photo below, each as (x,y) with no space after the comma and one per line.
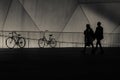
(72,42)
(50,32)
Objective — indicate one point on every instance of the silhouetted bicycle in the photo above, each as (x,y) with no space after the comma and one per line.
(15,39)
(42,42)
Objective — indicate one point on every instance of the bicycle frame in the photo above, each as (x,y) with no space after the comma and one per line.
(45,39)
(15,37)
(42,42)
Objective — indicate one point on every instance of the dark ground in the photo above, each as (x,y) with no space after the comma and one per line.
(58,62)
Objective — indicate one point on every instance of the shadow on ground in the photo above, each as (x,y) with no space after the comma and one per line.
(58,62)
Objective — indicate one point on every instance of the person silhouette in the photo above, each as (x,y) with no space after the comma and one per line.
(99,36)
(89,37)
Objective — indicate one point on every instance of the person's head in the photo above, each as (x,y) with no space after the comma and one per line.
(99,23)
(88,26)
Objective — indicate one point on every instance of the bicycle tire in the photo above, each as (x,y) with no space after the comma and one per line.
(21,42)
(53,43)
(10,42)
(41,43)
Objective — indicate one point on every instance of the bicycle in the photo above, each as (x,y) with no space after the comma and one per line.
(15,39)
(42,42)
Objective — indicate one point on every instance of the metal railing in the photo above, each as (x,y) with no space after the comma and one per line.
(64,39)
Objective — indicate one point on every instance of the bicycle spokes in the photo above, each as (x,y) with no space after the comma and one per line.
(53,42)
(10,42)
(41,43)
(21,42)
(15,40)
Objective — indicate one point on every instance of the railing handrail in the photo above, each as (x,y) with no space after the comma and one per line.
(52,32)
(62,40)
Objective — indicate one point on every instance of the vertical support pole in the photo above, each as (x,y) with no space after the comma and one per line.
(119,39)
(62,40)
(28,39)
(2,40)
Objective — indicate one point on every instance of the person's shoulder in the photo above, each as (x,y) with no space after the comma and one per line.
(101,26)
(97,27)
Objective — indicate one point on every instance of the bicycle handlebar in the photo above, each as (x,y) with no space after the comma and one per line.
(14,33)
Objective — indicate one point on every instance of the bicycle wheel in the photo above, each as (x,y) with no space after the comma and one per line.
(10,42)
(21,42)
(41,43)
(53,43)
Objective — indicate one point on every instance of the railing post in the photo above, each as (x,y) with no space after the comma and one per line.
(2,40)
(59,44)
(28,39)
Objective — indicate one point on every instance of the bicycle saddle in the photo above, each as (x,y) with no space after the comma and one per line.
(19,35)
(50,35)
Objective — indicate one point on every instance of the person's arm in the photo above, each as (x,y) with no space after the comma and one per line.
(102,31)
(84,32)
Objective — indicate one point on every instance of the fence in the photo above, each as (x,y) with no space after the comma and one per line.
(64,39)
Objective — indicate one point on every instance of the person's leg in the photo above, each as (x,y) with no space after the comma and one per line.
(93,50)
(101,47)
(84,50)
(92,46)
(97,43)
